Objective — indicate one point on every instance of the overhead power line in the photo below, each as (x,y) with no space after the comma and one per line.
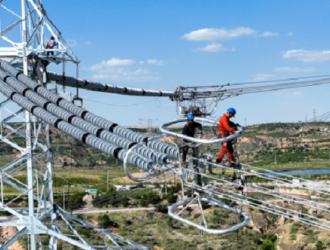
(278,80)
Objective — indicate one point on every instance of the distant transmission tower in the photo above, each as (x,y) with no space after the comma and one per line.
(314,115)
(245,121)
(149,122)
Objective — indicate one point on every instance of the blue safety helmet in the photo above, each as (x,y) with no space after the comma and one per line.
(190,117)
(232,111)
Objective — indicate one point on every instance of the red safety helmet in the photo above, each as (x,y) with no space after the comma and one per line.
(52,37)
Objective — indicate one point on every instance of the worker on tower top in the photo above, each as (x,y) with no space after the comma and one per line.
(224,130)
(51,45)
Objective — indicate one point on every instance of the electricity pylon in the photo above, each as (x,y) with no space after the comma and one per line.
(43,217)
(149,122)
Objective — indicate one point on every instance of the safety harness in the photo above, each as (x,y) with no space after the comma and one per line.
(50,44)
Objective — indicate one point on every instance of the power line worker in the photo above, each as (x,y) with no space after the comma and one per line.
(224,130)
(189,130)
(197,112)
(51,45)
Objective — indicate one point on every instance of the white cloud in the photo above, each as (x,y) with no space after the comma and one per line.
(117,69)
(294,94)
(155,62)
(262,77)
(169,104)
(213,34)
(294,70)
(124,74)
(87,42)
(268,34)
(289,34)
(291,104)
(106,66)
(213,47)
(71,42)
(141,62)
(308,55)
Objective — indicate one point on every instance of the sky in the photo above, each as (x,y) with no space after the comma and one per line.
(161,45)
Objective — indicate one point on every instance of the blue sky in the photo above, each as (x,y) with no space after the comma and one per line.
(164,44)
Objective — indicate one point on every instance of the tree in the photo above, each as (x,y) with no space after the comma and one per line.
(76,200)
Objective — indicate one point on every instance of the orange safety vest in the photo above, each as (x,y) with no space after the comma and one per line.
(223,126)
(50,44)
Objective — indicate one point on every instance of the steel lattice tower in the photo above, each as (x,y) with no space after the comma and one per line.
(43,217)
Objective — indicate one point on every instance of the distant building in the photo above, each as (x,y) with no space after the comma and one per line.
(125,187)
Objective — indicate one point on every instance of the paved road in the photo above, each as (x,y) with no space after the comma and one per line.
(115,210)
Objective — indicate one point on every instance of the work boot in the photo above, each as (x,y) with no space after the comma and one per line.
(235,165)
(232,177)
(238,184)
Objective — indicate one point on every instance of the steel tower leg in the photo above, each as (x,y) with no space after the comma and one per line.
(53,240)
(30,176)
(28,135)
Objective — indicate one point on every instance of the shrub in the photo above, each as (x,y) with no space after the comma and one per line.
(294,229)
(205,205)
(293,237)
(319,245)
(171,198)
(271,237)
(143,202)
(256,239)
(124,201)
(84,231)
(153,198)
(267,245)
(105,221)
(161,208)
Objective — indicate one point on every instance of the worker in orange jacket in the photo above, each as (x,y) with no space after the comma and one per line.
(224,130)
